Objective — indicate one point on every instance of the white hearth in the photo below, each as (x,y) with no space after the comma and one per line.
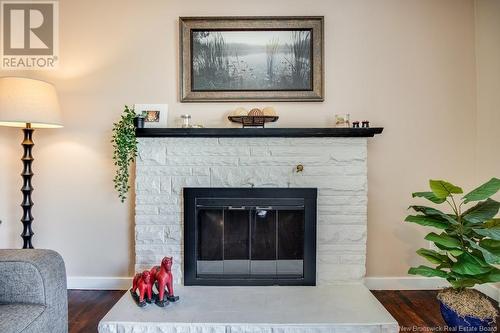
(344,308)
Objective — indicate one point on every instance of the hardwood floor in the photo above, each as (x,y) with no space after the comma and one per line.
(411,307)
(87,307)
(414,310)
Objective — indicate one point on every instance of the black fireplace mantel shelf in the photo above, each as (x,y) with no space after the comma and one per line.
(257,132)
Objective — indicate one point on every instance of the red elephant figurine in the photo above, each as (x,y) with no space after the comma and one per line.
(144,282)
(162,276)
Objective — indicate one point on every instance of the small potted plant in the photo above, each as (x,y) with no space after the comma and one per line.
(124,150)
(468,248)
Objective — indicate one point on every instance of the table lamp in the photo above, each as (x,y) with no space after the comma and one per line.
(29,104)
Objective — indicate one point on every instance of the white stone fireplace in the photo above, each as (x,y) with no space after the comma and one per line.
(337,167)
(333,162)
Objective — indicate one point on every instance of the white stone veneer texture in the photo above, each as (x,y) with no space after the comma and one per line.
(336,166)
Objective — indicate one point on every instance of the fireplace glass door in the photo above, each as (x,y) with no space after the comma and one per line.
(250,236)
(250,241)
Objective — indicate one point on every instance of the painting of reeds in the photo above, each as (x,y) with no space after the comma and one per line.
(251,60)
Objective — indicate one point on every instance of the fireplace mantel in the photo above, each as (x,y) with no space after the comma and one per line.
(258,132)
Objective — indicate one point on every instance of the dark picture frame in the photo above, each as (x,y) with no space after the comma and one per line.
(229,59)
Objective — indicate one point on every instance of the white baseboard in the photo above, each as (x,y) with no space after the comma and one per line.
(421,283)
(99,282)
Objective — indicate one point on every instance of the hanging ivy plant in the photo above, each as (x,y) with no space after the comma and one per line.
(125,150)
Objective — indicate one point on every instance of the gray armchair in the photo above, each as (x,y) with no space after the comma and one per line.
(33,295)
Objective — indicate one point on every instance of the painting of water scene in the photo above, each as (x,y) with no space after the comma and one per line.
(251,58)
(245,60)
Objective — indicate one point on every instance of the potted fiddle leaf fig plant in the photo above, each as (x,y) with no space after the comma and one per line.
(124,150)
(468,250)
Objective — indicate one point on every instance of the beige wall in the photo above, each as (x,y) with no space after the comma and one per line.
(488,90)
(488,87)
(406,65)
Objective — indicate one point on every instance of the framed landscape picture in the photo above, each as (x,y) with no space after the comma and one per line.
(251,59)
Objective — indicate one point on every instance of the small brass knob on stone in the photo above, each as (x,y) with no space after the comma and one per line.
(299,168)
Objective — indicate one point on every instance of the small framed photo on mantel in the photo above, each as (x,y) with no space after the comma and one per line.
(155,115)
(256,58)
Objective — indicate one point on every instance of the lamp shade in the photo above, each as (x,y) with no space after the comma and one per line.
(24,100)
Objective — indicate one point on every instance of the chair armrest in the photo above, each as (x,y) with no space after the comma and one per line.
(32,276)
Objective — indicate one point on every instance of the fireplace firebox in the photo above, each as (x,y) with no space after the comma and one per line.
(250,236)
